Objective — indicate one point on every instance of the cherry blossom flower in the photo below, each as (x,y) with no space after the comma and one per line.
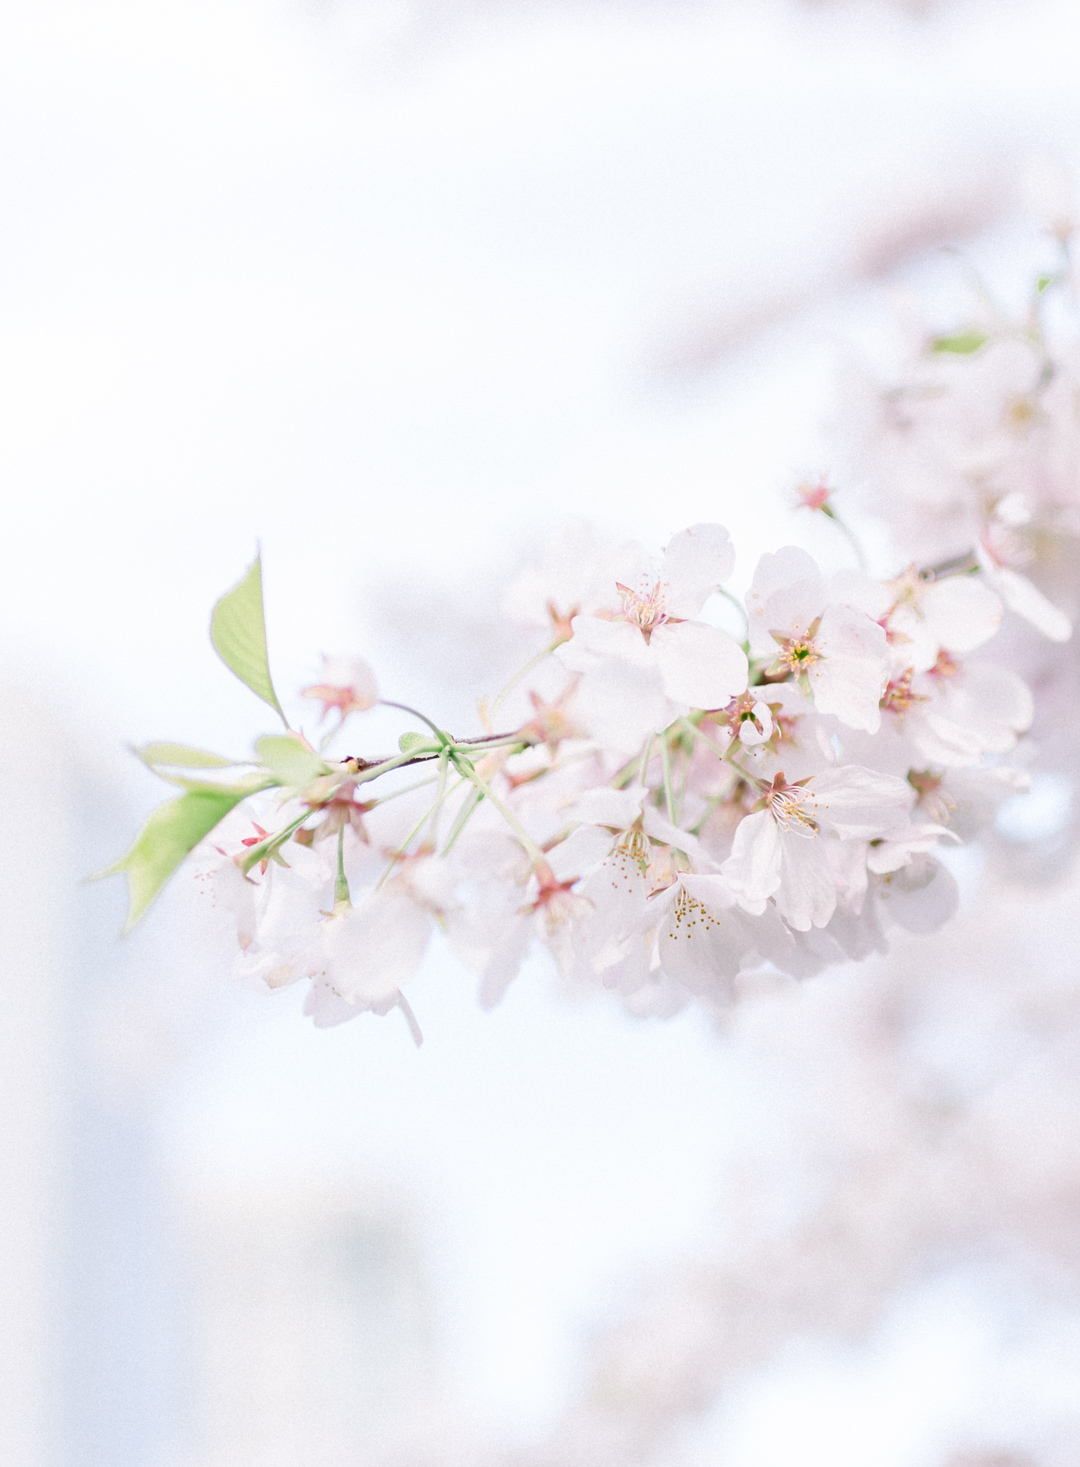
(347,685)
(781,851)
(646,659)
(1023,596)
(956,615)
(834,650)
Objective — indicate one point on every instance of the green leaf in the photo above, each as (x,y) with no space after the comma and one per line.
(289,759)
(182,756)
(1043,282)
(238,632)
(414,743)
(172,831)
(963,343)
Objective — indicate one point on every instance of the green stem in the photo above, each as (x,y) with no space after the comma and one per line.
(521,673)
(429,814)
(646,755)
(532,850)
(341,886)
(687,754)
(384,767)
(480,746)
(665,764)
(959,565)
(849,534)
(406,789)
(741,609)
(440,795)
(404,707)
(720,753)
(465,814)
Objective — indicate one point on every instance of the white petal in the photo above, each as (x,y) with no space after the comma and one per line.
(781,568)
(851,676)
(702,943)
(504,961)
(847,862)
(991,701)
(583,849)
(752,870)
(700,665)
(696,562)
(597,640)
(1029,602)
(620,705)
(326,1007)
(860,804)
(787,586)
(856,589)
(788,951)
(617,808)
(806,896)
(921,897)
(376,946)
(961,613)
(576,566)
(749,731)
(229,890)
(352,675)
(939,740)
(492,936)
(658,827)
(617,891)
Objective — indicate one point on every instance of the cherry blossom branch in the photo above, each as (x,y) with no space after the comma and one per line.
(852,706)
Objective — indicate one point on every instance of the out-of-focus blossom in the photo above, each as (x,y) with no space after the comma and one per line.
(347,685)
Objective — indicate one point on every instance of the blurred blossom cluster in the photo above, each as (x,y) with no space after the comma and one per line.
(666,806)
(931,1130)
(970,447)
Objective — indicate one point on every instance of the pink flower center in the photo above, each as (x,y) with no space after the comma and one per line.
(898,695)
(645,609)
(788,805)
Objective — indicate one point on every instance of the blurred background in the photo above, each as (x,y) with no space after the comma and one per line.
(390,286)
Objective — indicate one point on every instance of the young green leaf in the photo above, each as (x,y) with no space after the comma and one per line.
(238,632)
(416,743)
(172,831)
(963,343)
(182,756)
(289,759)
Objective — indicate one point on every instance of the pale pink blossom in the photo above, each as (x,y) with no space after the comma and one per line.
(646,660)
(780,851)
(954,615)
(833,649)
(346,685)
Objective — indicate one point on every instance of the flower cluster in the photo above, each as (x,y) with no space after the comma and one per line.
(973,449)
(969,448)
(672,804)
